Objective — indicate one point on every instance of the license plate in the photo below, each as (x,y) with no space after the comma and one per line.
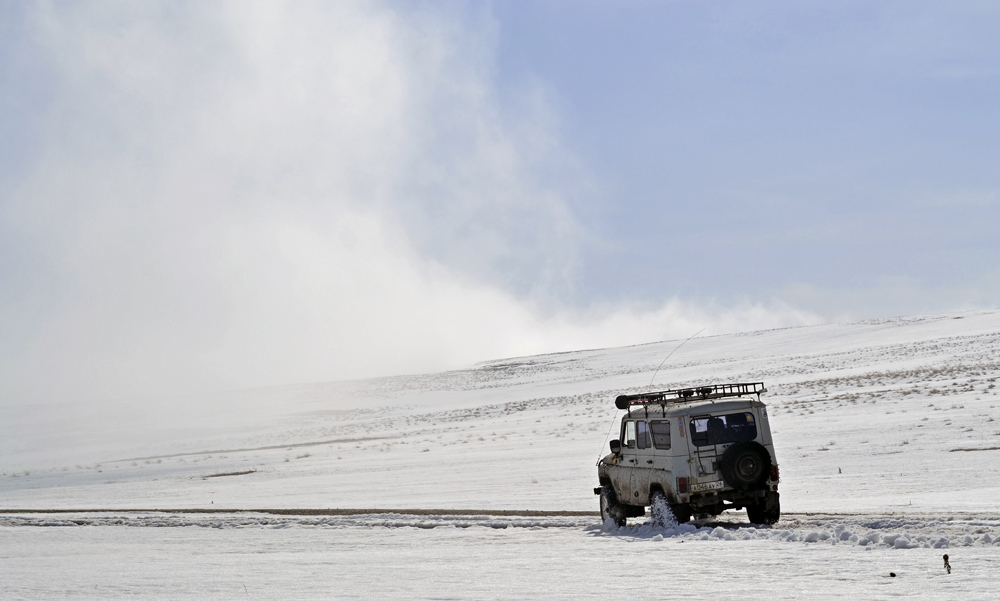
(717,485)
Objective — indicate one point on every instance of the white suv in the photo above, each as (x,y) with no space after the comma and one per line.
(694,450)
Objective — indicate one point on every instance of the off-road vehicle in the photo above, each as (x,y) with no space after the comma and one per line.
(693,450)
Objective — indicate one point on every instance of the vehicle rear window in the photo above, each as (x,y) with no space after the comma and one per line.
(661,433)
(723,429)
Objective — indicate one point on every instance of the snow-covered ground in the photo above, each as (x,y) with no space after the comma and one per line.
(394,557)
(885,428)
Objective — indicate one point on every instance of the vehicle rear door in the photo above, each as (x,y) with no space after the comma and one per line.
(705,454)
(710,436)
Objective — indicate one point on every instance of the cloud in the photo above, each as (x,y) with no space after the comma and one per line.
(242,194)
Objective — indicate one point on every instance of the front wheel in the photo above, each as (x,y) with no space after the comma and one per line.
(766,511)
(610,509)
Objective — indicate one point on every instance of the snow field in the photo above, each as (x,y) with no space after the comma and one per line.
(359,562)
(888,531)
(886,434)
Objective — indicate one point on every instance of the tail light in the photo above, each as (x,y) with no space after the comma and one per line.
(774,473)
(682,485)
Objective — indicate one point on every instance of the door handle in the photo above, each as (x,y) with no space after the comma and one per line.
(649,461)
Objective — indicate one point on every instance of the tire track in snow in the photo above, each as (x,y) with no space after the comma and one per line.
(321,512)
(249,449)
(895,531)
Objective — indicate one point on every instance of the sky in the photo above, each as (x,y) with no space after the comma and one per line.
(201,196)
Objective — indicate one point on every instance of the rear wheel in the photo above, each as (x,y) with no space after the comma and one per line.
(682,512)
(610,508)
(766,511)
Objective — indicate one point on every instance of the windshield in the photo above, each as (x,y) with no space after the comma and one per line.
(723,429)
(635,435)
(628,440)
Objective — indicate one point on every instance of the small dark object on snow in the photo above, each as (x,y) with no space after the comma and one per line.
(947,565)
(892,574)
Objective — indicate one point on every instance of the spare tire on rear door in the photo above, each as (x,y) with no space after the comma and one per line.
(745,465)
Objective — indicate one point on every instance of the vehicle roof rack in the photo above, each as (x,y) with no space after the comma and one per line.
(686,395)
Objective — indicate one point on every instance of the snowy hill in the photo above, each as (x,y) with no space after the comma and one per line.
(878,416)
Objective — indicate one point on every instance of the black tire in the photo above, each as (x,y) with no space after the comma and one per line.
(746,466)
(610,508)
(682,512)
(767,511)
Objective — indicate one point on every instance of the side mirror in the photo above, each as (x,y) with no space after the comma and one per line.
(616,446)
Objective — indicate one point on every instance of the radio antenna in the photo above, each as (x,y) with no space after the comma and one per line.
(650,383)
(671,353)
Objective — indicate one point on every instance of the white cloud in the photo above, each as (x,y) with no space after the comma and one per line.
(245,194)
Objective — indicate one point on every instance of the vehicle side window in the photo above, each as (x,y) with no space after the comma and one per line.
(642,436)
(661,433)
(629,440)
